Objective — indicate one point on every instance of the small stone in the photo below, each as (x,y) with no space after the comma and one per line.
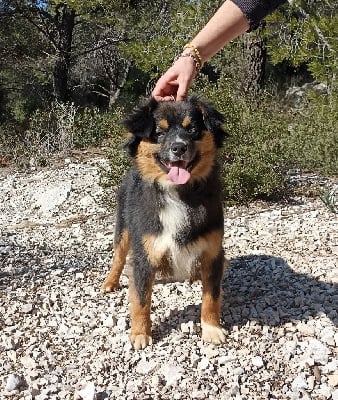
(310,382)
(144,367)
(327,336)
(238,371)
(319,351)
(110,321)
(87,393)
(8,343)
(334,395)
(316,372)
(172,374)
(27,308)
(14,382)
(121,324)
(203,364)
(298,383)
(257,361)
(333,379)
(185,328)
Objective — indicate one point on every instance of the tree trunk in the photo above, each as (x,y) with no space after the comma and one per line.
(256,61)
(65,22)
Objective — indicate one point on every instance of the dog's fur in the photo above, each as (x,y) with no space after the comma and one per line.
(169,209)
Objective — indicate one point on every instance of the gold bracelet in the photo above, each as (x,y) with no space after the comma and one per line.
(195,50)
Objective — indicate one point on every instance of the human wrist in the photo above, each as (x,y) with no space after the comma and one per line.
(194,61)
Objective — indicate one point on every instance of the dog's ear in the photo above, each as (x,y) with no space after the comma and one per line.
(212,119)
(140,124)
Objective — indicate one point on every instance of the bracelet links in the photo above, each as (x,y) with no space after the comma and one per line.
(196,51)
(193,57)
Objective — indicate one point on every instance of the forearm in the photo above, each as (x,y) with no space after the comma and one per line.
(227,23)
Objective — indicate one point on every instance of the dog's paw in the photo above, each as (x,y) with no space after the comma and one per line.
(140,341)
(213,334)
(108,287)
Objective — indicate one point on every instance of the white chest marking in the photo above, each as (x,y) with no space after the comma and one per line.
(174,216)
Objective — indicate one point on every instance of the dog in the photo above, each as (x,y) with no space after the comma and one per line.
(169,210)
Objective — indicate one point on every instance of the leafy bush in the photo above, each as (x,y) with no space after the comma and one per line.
(47,132)
(267,139)
(118,163)
(311,140)
(91,127)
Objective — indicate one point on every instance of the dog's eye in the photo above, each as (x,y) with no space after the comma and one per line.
(194,132)
(158,135)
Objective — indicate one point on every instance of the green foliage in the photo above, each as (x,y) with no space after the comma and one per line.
(266,140)
(330,199)
(306,33)
(91,127)
(118,162)
(252,164)
(311,140)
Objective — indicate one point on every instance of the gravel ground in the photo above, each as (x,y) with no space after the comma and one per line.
(62,339)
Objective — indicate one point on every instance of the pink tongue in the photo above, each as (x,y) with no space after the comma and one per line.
(178,175)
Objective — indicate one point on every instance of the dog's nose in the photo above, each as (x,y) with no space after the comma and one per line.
(179,148)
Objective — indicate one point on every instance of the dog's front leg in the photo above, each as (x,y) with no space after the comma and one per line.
(120,254)
(212,266)
(140,289)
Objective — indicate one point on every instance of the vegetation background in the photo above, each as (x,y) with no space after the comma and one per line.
(70,70)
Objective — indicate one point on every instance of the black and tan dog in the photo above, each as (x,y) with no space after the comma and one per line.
(169,213)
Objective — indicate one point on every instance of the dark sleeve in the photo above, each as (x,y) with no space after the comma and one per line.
(256,10)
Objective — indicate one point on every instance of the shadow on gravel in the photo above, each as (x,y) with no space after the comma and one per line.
(264,289)
(23,267)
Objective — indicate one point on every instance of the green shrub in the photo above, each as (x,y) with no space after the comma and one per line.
(266,139)
(118,162)
(91,127)
(311,141)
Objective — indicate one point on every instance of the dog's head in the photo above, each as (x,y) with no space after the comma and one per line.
(175,142)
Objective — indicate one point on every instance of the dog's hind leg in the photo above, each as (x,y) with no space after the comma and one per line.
(121,249)
(212,265)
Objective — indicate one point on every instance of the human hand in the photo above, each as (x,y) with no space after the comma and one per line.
(175,83)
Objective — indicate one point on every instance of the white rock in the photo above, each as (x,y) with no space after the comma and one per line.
(14,382)
(327,336)
(336,339)
(8,343)
(87,393)
(299,383)
(121,324)
(110,321)
(333,379)
(48,198)
(144,367)
(319,351)
(203,364)
(172,374)
(27,308)
(334,395)
(257,361)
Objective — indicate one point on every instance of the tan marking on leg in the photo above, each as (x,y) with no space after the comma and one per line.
(214,240)
(211,305)
(120,253)
(140,333)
